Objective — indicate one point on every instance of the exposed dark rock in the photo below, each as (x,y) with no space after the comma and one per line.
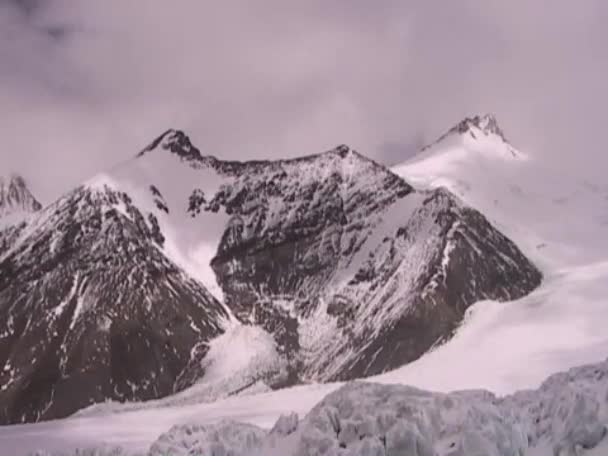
(351,270)
(92,310)
(408,291)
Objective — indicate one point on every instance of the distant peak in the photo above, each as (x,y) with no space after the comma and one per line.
(486,123)
(14,182)
(16,196)
(175,141)
(480,124)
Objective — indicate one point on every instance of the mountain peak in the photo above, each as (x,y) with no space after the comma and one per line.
(175,141)
(342,150)
(486,123)
(15,196)
(13,179)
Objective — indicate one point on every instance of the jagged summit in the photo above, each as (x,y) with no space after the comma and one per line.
(178,143)
(175,141)
(486,123)
(479,135)
(15,196)
(475,127)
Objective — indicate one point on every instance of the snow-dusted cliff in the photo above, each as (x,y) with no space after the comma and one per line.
(116,290)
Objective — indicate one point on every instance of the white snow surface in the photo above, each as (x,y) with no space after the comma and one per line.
(560,221)
(188,242)
(241,348)
(566,416)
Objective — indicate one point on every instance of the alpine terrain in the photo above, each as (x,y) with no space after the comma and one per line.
(178,270)
(16,204)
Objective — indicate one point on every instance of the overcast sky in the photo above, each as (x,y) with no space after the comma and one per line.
(86,84)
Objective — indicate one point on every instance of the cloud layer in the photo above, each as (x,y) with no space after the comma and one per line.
(84,85)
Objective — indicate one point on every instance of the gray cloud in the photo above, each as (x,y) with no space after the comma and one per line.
(84,85)
(393,152)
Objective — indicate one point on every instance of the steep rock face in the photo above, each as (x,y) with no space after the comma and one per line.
(289,234)
(419,283)
(565,416)
(358,273)
(92,310)
(351,269)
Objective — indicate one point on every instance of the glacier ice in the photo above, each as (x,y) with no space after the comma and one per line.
(566,416)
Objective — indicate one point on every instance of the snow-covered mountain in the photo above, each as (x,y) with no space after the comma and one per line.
(351,269)
(521,194)
(117,290)
(558,219)
(17,204)
(92,309)
(16,197)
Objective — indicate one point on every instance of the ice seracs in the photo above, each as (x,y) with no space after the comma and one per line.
(565,416)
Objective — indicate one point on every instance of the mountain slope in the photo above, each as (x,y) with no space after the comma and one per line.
(92,309)
(116,290)
(559,219)
(524,196)
(352,270)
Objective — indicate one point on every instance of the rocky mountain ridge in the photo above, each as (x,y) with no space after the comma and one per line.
(350,269)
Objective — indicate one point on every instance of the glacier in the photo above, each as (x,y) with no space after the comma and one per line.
(566,416)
